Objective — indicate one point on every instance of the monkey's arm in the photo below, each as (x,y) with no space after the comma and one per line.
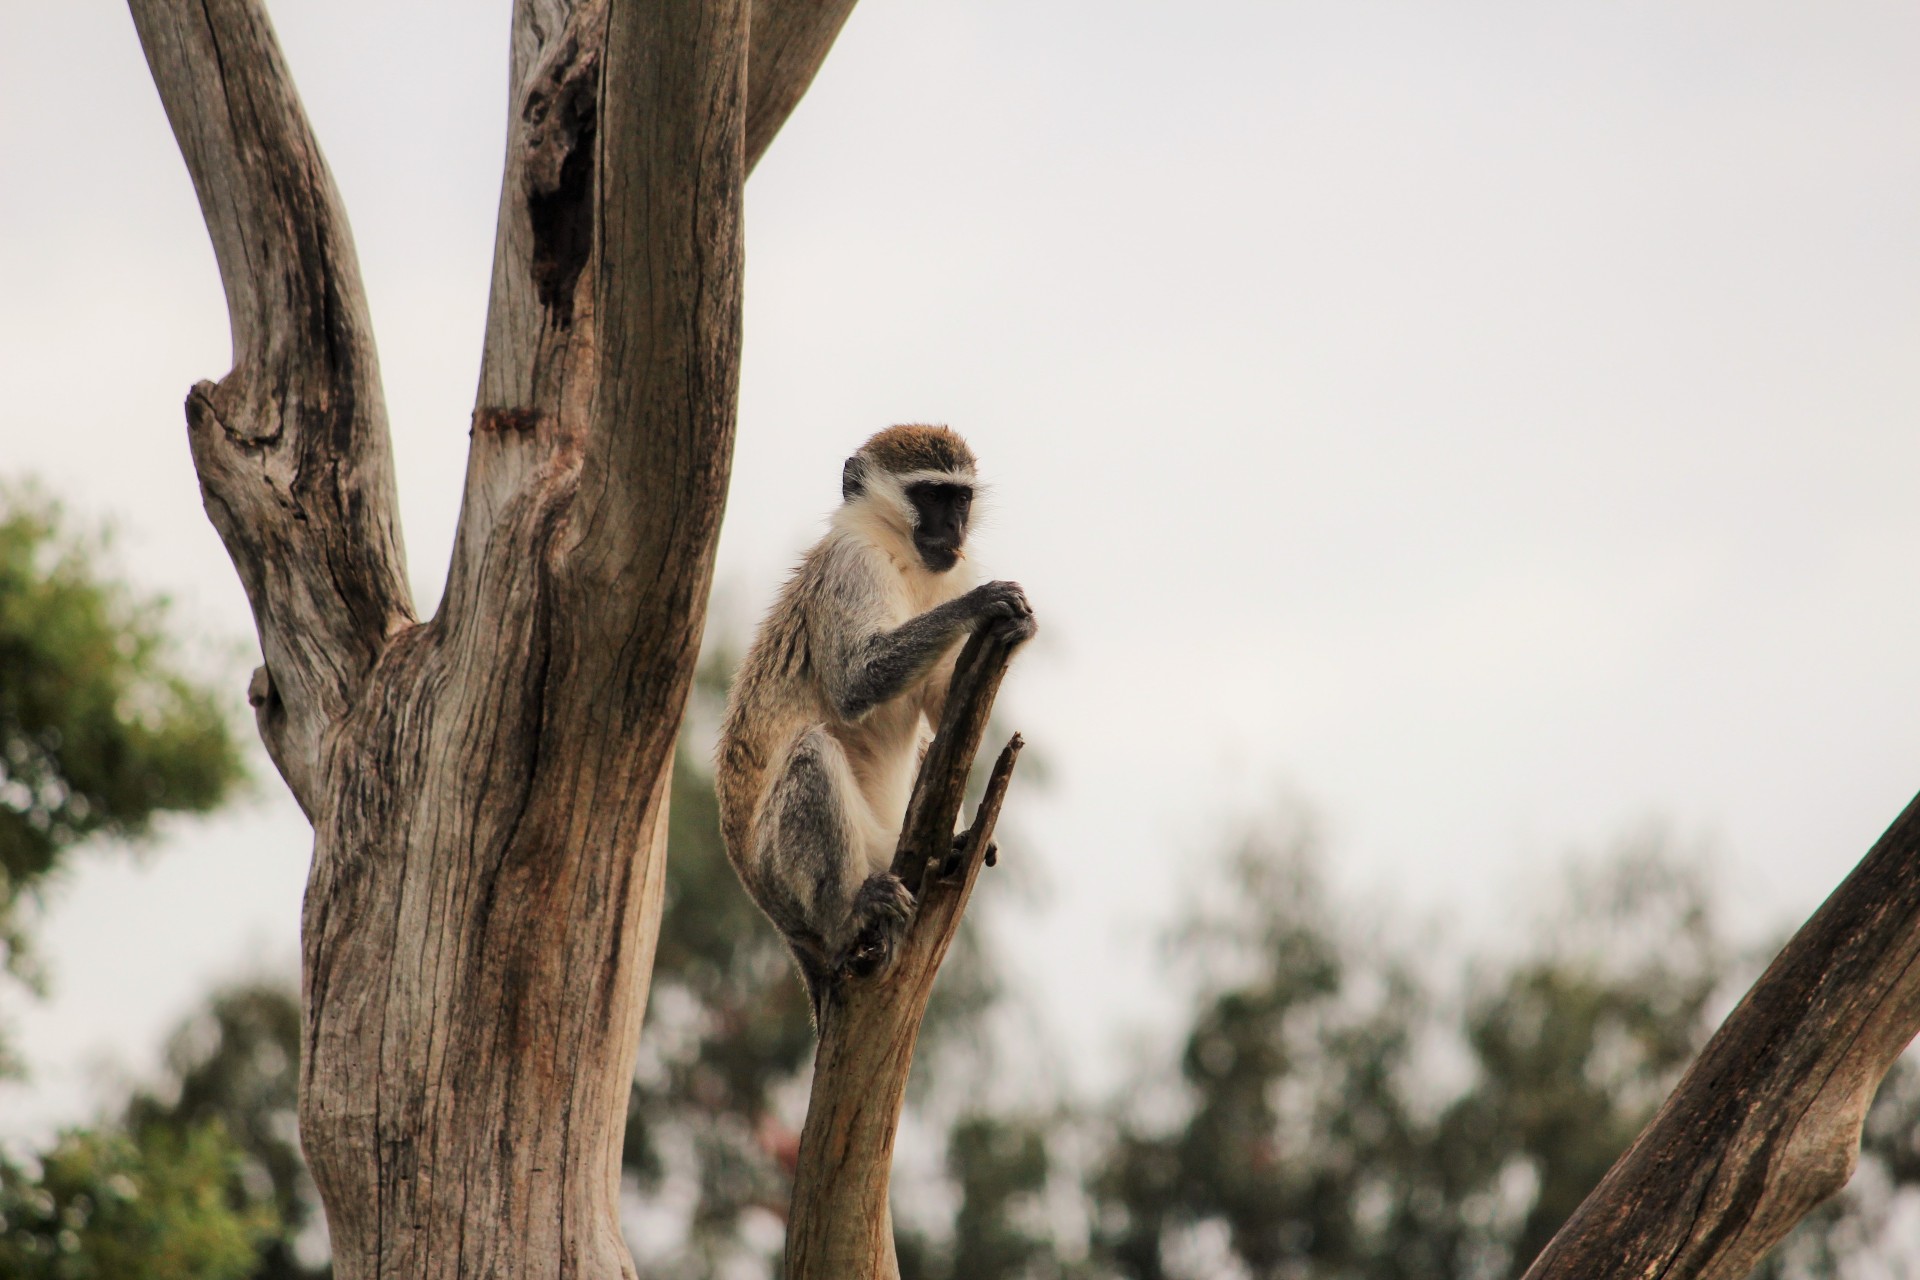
(888,662)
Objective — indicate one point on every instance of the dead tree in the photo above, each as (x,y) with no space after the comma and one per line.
(487,787)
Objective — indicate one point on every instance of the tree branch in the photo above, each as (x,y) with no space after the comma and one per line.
(536,368)
(654,466)
(839,1226)
(790,41)
(540,369)
(1766,1122)
(295,464)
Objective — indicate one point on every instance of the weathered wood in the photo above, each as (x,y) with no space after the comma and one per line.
(488,789)
(475,1000)
(296,470)
(537,364)
(656,461)
(839,1226)
(538,367)
(1766,1122)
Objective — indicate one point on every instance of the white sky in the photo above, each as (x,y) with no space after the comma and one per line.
(1497,424)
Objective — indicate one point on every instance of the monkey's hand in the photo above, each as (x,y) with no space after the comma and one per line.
(881,911)
(1004,611)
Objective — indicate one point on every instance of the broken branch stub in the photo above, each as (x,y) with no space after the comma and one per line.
(838,1224)
(1766,1122)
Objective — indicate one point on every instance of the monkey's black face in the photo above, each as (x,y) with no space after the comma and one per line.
(939,522)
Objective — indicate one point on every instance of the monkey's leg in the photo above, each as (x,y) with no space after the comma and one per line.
(818,890)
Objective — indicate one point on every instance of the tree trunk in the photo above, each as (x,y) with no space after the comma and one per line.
(487,788)
(1766,1122)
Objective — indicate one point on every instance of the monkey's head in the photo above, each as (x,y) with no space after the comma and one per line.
(921,478)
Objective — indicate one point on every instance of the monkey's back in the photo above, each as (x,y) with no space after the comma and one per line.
(780,687)
(772,698)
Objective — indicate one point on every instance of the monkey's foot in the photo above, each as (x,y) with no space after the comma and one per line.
(954,864)
(881,911)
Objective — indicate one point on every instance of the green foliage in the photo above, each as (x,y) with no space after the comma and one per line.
(1295,1123)
(212,1150)
(236,1066)
(99,729)
(1332,1111)
(1002,1168)
(112,1204)
(1577,1044)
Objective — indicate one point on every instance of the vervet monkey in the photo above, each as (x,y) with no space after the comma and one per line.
(831,710)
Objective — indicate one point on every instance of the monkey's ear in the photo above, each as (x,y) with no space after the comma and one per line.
(853,478)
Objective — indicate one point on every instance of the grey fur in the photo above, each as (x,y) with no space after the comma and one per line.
(896,659)
(827,717)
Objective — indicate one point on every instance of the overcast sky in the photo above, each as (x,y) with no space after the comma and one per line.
(1494,426)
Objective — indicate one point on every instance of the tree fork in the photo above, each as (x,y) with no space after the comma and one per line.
(487,788)
(1766,1122)
(839,1226)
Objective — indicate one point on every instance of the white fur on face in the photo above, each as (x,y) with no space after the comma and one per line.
(888,491)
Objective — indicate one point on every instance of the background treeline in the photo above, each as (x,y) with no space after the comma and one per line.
(1344,1096)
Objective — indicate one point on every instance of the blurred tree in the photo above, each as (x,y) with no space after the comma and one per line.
(100,729)
(1002,1168)
(1306,1132)
(100,732)
(1315,1137)
(235,1066)
(1294,1119)
(152,1204)
(1307,1129)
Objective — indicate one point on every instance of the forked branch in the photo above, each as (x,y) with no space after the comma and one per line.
(1766,1123)
(295,466)
(838,1226)
(488,791)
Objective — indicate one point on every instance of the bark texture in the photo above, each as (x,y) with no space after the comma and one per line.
(838,1225)
(296,470)
(1766,1122)
(487,788)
